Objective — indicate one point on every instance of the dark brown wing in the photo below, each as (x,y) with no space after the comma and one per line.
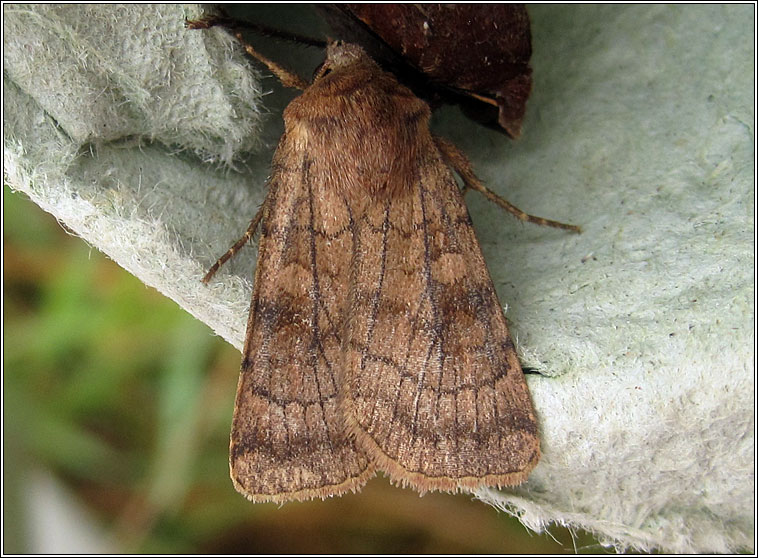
(435,394)
(288,437)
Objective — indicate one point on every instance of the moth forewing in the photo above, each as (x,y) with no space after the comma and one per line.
(288,439)
(436,395)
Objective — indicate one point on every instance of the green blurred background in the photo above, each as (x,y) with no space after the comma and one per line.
(122,402)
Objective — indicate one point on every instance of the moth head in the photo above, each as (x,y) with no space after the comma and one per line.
(340,55)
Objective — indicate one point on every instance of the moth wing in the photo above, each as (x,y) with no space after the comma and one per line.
(435,396)
(288,439)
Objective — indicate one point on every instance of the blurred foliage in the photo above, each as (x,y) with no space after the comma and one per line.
(127,400)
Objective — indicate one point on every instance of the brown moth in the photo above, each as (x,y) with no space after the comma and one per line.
(375,339)
(473,55)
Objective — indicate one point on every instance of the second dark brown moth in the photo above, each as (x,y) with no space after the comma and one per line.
(473,55)
(375,340)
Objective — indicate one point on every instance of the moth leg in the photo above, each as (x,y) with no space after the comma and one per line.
(287,78)
(236,247)
(460,163)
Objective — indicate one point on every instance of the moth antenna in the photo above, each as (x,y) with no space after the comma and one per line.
(223,20)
